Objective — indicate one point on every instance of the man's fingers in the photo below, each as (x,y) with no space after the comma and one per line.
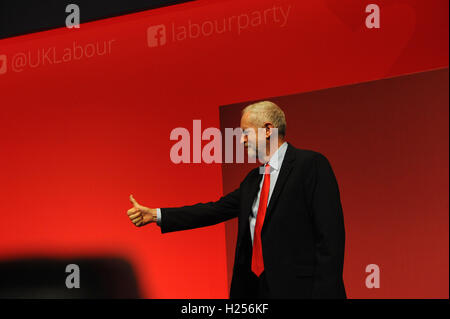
(135,220)
(132,211)
(134,216)
(138,222)
(133,201)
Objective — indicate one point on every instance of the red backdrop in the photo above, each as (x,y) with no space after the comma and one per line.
(81,130)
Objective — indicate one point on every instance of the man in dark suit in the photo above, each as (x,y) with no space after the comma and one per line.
(291,233)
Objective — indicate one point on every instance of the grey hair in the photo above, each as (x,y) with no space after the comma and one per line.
(266,111)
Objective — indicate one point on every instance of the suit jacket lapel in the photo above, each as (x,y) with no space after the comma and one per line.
(281,180)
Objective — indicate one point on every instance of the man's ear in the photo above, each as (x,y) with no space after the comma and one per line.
(268,126)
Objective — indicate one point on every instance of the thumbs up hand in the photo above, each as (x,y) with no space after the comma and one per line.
(141,215)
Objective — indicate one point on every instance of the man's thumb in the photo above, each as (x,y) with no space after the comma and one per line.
(133,201)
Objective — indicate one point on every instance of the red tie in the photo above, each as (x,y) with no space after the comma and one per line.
(257,258)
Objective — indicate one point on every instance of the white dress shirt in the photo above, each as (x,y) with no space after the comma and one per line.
(275,167)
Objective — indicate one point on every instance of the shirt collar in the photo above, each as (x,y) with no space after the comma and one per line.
(279,154)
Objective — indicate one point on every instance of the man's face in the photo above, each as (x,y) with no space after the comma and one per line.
(249,136)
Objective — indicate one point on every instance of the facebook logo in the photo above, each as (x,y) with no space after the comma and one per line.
(156,35)
(2,63)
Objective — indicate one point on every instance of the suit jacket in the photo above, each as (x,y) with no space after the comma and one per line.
(303,234)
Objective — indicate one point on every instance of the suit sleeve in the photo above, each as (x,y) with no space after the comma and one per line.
(201,214)
(329,229)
